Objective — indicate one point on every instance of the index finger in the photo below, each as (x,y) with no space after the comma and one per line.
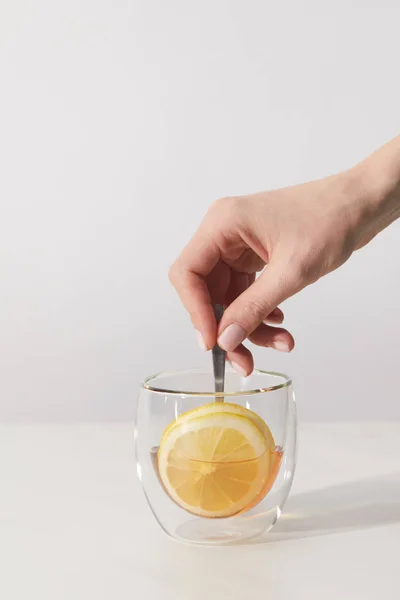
(188,276)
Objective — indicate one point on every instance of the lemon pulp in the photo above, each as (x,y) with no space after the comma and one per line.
(216,460)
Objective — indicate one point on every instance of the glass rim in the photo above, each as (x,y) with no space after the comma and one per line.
(261,390)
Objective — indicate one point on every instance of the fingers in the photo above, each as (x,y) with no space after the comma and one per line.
(276,317)
(272,337)
(241,360)
(194,294)
(188,276)
(254,305)
(238,284)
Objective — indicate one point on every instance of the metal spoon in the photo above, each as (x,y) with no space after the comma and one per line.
(219,384)
(219,357)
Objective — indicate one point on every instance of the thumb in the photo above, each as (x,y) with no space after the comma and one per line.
(254,305)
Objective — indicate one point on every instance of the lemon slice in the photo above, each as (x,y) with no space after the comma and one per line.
(215,464)
(214,407)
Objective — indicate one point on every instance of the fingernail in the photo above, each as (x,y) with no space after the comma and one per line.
(200,341)
(281,346)
(231,337)
(239,369)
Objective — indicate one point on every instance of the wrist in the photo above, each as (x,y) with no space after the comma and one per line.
(375,191)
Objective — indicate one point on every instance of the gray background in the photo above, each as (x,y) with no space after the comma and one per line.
(120,122)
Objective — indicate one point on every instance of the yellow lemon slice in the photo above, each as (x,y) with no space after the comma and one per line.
(214,407)
(215,464)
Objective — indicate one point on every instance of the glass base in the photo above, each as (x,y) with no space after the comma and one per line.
(217,532)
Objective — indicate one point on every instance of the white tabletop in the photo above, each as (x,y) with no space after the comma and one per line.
(74,524)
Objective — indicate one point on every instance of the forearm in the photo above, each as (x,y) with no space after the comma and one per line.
(378,190)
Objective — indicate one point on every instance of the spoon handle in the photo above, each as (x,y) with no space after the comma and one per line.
(219,357)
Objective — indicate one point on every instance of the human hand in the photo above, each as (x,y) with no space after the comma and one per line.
(298,233)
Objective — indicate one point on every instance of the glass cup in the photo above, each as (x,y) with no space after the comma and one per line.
(165,397)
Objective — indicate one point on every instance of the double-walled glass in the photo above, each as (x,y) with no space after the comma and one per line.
(164,397)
